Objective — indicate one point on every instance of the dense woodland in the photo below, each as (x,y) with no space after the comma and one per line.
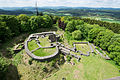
(102,35)
(115,27)
(11,26)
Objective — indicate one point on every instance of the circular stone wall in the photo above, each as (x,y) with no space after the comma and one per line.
(35,37)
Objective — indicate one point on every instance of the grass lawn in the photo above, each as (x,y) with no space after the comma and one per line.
(44,42)
(44,52)
(32,45)
(89,68)
(18,57)
(83,47)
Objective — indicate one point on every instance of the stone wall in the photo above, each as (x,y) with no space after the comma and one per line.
(35,36)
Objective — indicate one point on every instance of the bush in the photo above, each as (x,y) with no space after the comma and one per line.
(103,39)
(5,32)
(3,68)
(30,61)
(77,34)
(68,58)
(71,26)
(44,68)
(24,24)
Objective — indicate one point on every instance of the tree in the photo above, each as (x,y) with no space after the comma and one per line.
(3,68)
(93,33)
(115,56)
(55,19)
(103,39)
(36,22)
(84,28)
(114,44)
(12,23)
(5,32)
(47,21)
(77,34)
(40,14)
(24,24)
(68,58)
(71,26)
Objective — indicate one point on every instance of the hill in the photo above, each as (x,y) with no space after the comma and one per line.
(15,12)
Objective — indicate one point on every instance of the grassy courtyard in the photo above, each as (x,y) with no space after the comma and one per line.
(44,42)
(44,52)
(32,45)
(83,47)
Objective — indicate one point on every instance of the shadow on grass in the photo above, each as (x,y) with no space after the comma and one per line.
(10,74)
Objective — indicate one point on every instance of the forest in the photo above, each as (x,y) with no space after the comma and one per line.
(15,12)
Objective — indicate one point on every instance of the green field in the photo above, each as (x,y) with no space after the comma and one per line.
(57,14)
(89,68)
(102,19)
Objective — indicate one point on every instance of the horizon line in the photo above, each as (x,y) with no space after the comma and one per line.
(56,6)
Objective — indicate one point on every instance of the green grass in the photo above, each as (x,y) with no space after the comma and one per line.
(32,45)
(44,52)
(102,19)
(89,68)
(17,58)
(44,42)
(83,47)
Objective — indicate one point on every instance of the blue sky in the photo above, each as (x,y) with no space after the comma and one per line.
(71,3)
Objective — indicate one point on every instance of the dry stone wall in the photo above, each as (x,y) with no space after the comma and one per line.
(59,47)
(35,36)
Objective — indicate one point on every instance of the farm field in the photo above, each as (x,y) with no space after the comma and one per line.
(102,19)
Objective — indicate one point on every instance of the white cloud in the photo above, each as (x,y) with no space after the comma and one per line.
(73,3)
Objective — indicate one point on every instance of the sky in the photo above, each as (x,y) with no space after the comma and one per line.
(68,3)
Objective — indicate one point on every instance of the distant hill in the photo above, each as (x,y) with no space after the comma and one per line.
(15,12)
(53,7)
(63,11)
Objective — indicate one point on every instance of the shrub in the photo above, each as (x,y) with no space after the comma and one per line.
(68,58)
(30,61)
(77,34)
(3,68)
